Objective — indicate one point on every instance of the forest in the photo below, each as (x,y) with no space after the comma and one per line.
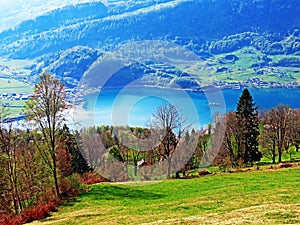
(45,163)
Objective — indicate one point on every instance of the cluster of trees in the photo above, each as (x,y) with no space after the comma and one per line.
(248,133)
(235,139)
(268,43)
(38,164)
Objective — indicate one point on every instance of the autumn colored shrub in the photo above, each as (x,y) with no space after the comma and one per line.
(204,172)
(36,213)
(71,186)
(15,221)
(92,178)
(4,219)
(285,165)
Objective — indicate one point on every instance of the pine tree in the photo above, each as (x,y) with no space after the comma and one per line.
(79,163)
(248,122)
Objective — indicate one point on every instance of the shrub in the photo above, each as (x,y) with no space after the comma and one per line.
(36,213)
(92,178)
(71,186)
(285,165)
(52,207)
(15,221)
(203,172)
(4,219)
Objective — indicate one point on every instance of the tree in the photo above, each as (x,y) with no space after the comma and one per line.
(230,142)
(268,137)
(201,148)
(280,128)
(71,143)
(228,154)
(167,119)
(247,139)
(294,134)
(45,108)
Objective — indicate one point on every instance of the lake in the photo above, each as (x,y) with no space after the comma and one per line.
(135,106)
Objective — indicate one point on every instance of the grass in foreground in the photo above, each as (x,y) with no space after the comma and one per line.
(259,197)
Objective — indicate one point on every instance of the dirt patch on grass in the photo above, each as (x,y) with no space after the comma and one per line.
(261,214)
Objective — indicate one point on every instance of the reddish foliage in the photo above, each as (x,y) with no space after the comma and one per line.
(285,165)
(67,189)
(4,219)
(203,172)
(52,207)
(15,221)
(8,220)
(64,161)
(92,178)
(37,213)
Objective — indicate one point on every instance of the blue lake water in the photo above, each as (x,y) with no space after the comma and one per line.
(135,106)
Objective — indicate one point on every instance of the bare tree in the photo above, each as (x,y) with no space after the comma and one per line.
(169,121)
(294,134)
(277,129)
(268,136)
(45,108)
(229,154)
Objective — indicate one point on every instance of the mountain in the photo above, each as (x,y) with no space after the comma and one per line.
(68,40)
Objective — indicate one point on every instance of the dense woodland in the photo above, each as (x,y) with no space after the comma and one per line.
(45,163)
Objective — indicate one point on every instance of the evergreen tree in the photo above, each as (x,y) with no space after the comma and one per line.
(247,117)
(79,163)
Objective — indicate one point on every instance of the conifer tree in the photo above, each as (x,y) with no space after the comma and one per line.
(247,117)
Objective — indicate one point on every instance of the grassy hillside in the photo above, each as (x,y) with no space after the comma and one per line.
(259,197)
(10,86)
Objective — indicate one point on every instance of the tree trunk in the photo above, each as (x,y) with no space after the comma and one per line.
(55,177)
(273,158)
(169,167)
(135,167)
(279,155)
(274,153)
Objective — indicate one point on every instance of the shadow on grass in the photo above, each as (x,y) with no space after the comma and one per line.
(112,192)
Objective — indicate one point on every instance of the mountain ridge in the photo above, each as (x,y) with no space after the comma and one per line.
(204,19)
(206,27)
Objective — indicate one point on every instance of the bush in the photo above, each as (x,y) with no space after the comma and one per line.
(71,186)
(39,212)
(4,219)
(92,178)
(203,172)
(15,221)
(285,165)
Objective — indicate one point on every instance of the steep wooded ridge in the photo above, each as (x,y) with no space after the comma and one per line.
(206,27)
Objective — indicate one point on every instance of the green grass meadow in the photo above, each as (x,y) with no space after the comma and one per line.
(13,86)
(256,197)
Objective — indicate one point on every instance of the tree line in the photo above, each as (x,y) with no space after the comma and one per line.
(238,138)
(40,164)
(249,135)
